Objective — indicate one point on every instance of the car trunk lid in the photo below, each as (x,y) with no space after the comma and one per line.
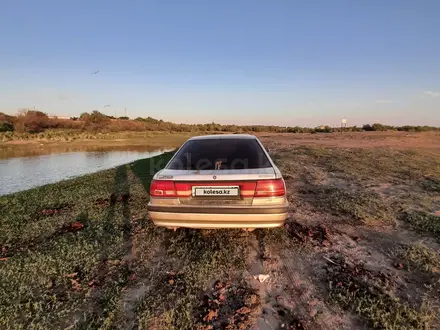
(245,180)
(217,175)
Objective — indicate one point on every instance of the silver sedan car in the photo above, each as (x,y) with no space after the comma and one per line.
(219,181)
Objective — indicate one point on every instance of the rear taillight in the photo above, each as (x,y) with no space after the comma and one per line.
(262,188)
(270,188)
(163,188)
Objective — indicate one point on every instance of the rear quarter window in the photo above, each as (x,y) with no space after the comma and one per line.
(220,154)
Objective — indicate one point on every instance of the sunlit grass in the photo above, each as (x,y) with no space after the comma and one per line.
(63,242)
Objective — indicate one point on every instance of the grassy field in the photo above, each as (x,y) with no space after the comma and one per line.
(361,249)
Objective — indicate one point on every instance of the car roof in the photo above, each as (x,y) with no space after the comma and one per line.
(224,137)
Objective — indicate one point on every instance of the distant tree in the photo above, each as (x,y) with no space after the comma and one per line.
(36,121)
(323,129)
(354,129)
(32,121)
(379,127)
(96,121)
(376,127)
(84,116)
(408,128)
(6,127)
(98,116)
(6,122)
(298,129)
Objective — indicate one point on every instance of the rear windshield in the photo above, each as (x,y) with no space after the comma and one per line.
(220,154)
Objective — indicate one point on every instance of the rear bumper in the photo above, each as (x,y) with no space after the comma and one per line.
(202,217)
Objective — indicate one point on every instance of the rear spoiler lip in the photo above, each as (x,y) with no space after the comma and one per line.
(218,210)
(268,173)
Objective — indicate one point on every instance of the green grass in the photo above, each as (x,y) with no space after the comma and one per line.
(366,207)
(419,257)
(424,221)
(55,276)
(355,204)
(376,165)
(42,252)
(370,295)
(198,259)
(431,184)
(371,187)
(353,182)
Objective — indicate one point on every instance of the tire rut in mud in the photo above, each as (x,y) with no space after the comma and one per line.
(291,299)
(189,263)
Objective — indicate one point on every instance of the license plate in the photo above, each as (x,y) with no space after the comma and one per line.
(216,191)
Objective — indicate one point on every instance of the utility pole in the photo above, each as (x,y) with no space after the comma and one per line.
(125,112)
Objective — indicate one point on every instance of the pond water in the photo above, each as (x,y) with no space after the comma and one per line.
(21,173)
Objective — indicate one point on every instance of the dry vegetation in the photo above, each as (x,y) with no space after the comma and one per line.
(37,125)
(361,249)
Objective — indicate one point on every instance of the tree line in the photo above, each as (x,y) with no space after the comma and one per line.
(34,121)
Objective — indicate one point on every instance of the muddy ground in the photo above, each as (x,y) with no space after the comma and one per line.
(355,259)
(360,250)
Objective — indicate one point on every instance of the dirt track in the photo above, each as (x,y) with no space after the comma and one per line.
(348,211)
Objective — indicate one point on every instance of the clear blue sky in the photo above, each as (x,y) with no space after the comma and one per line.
(282,62)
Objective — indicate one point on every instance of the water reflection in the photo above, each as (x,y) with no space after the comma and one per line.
(36,149)
(23,173)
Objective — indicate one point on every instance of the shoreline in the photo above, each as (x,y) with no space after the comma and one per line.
(66,172)
(76,137)
(24,148)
